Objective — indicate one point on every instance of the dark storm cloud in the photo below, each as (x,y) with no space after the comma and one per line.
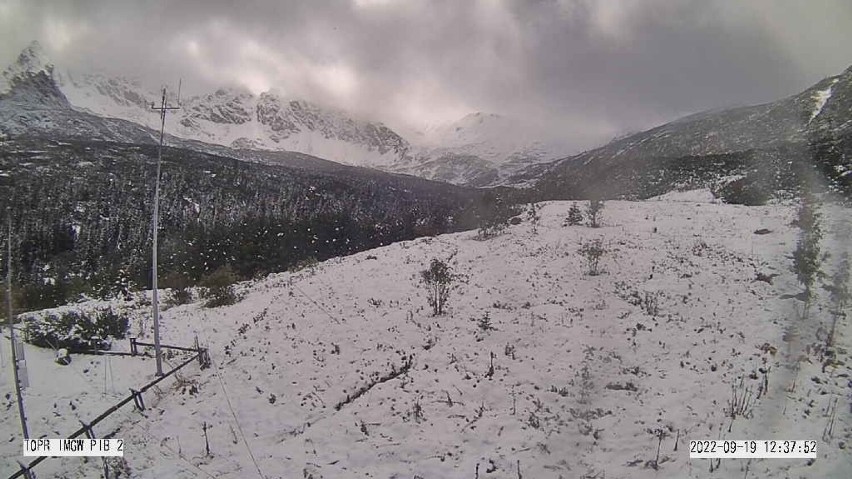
(586,68)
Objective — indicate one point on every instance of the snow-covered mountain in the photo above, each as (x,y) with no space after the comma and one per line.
(492,137)
(230,117)
(484,149)
(33,104)
(113,97)
(30,61)
(479,149)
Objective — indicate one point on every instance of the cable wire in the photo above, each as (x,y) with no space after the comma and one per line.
(239,427)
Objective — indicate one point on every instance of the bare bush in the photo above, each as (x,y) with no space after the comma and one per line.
(437,279)
(180,288)
(740,403)
(593,212)
(592,251)
(219,287)
(533,216)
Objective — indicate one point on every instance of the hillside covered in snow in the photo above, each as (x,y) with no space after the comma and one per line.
(537,370)
(479,149)
(746,155)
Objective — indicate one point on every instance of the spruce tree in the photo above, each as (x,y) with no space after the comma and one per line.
(806,257)
(575,216)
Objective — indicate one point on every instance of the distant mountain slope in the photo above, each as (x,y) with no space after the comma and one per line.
(228,117)
(31,104)
(479,149)
(765,145)
(483,149)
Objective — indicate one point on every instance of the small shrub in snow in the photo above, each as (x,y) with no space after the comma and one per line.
(118,467)
(533,216)
(491,229)
(586,385)
(494,216)
(564,391)
(699,248)
(484,323)
(219,288)
(416,412)
(179,284)
(534,421)
(593,212)
(651,303)
(437,279)
(509,350)
(592,251)
(76,330)
(309,263)
(740,403)
(575,216)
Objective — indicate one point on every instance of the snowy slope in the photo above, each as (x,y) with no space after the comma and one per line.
(229,116)
(479,149)
(113,97)
(820,98)
(585,368)
(236,118)
(31,60)
(269,121)
(813,127)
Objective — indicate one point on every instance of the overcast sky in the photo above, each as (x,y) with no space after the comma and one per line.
(588,68)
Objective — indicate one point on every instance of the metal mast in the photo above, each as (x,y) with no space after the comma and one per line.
(163,109)
(12,328)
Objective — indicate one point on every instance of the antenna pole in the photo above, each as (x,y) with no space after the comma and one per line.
(12,327)
(163,109)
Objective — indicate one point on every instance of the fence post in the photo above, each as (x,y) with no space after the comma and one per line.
(203,358)
(91,435)
(137,399)
(87,428)
(133,350)
(26,471)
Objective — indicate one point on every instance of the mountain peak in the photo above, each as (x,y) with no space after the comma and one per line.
(33,59)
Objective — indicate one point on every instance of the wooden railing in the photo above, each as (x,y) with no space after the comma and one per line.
(200,354)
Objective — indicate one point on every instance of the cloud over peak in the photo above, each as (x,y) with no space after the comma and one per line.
(587,68)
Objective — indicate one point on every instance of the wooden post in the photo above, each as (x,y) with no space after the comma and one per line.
(204,428)
(26,471)
(660,435)
(137,399)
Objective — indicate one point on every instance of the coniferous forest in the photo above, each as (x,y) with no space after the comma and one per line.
(81,215)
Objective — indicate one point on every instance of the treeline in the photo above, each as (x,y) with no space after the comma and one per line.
(81,214)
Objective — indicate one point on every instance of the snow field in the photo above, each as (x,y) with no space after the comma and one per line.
(586,369)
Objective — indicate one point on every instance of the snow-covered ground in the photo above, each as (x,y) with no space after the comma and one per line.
(586,369)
